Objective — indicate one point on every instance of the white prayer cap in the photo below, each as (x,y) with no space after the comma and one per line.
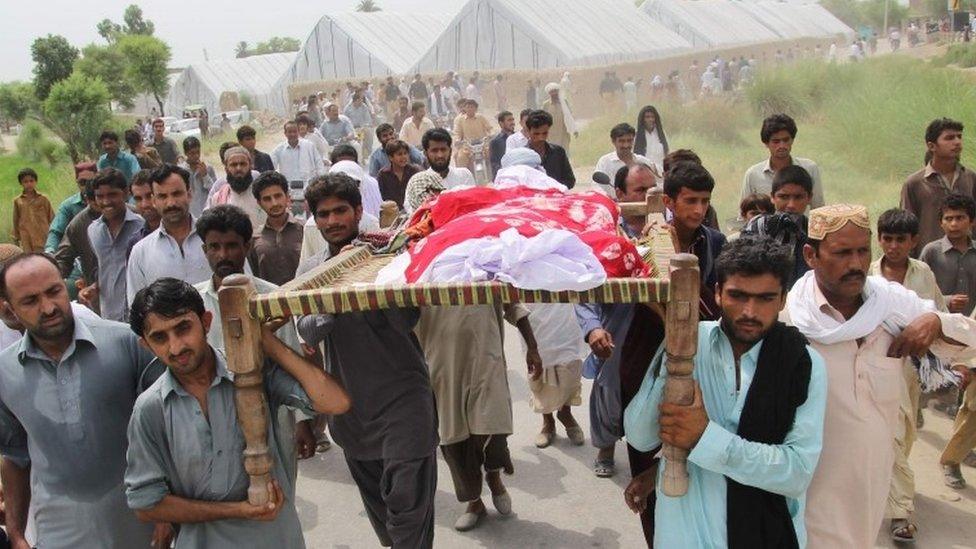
(522,156)
(552,86)
(349,168)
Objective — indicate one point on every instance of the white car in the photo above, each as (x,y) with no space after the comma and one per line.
(181,129)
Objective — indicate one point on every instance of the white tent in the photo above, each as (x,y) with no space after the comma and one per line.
(709,24)
(795,20)
(531,34)
(202,83)
(360,45)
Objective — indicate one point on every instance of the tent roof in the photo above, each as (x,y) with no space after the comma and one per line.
(255,74)
(588,31)
(795,20)
(396,40)
(709,23)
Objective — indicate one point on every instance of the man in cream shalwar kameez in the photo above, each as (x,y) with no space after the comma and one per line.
(465,351)
(563,127)
(858,324)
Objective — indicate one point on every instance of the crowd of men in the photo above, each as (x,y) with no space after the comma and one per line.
(117,418)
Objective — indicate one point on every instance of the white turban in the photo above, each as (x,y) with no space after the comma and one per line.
(552,86)
(522,156)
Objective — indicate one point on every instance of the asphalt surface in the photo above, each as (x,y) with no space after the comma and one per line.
(558,502)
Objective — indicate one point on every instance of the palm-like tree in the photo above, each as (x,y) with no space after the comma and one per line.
(368,6)
(241,49)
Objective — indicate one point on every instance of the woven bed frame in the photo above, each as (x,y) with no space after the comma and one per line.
(344,285)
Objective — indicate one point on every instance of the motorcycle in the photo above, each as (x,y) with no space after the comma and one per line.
(474,156)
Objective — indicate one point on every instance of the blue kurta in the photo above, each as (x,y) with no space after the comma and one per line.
(697,519)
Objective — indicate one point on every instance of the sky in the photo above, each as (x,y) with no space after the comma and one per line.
(190,27)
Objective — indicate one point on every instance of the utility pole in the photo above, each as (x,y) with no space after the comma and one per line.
(884,31)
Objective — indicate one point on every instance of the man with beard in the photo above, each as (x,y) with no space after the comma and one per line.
(237,191)
(184,463)
(496,146)
(66,393)
(389,437)
(864,327)
(755,428)
(440,176)
(174,249)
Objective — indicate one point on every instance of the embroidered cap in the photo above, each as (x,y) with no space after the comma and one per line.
(830,219)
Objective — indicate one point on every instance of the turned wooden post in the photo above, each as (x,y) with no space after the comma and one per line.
(242,343)
(680,344)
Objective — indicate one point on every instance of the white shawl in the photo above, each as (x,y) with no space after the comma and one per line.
(886,304)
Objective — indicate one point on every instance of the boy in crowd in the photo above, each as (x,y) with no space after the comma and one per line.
(778,133)
(791,192)
(953,257)
(32,213)
(897,236)
(278,243)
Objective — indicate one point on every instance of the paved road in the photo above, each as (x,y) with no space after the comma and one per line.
(559,503)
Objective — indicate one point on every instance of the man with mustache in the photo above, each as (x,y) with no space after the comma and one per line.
(754,431)
(67,389)
(441,175)
(227,235)
(777,134)
(278,244)
(864,327)
(174,249)
(237,191)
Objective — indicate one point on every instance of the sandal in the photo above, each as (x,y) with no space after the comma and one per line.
(604,468)
(952,477)
(575,435)
(903,531)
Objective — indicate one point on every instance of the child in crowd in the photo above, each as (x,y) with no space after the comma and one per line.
(897,236)
(32,214)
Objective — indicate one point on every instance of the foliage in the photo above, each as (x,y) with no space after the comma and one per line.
(35,146)
(55,183)
(108,64)
(54,60)
(869,13)
(147,58)
(275,44)
(245,98)
(963,55)
(76,111)
(368,6)
(132,24)
(16,101)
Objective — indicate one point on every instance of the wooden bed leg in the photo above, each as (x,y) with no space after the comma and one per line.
(681,343)
(242,339)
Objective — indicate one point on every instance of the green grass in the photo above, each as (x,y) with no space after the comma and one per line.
(55,183)
(864,124)
(963,55)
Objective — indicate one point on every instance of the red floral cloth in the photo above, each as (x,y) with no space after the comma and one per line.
(481,212)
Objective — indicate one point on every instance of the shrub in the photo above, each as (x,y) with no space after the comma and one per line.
(34,145)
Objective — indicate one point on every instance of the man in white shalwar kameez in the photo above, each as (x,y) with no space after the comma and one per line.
(864,327)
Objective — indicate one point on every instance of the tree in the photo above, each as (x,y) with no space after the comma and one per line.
(76,110)
(108,64)
(135,24)
(275,44)
(108,30)
(368,6)
(147,58)
(54,60)
(16,101)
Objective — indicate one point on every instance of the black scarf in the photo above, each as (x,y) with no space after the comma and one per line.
(757,518)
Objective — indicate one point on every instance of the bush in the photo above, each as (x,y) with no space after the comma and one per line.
(714,118)
(963,55)
(34,145)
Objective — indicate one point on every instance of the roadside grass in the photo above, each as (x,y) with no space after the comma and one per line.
(864,124)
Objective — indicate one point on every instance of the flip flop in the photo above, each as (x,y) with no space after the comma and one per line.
(604,468)
(903,531)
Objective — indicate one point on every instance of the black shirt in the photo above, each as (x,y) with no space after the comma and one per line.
(496,150)
(557,166)
(262,161)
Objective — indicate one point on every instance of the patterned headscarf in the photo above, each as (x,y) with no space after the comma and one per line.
(421,188)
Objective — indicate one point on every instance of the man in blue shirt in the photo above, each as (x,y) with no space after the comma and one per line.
(755,429)
(379,159)
(114,157)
